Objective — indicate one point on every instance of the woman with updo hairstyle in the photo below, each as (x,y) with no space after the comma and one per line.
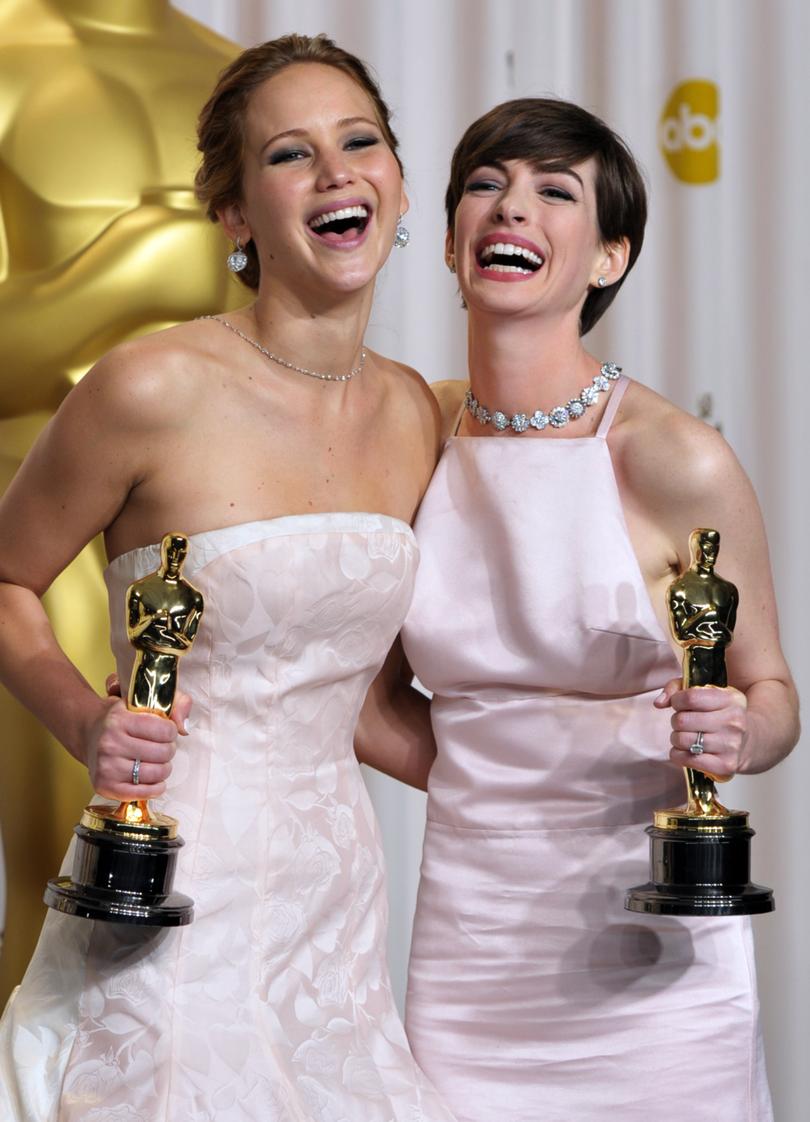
(294,458)
(558,515)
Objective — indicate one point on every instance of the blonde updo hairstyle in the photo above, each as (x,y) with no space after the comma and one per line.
(221,126)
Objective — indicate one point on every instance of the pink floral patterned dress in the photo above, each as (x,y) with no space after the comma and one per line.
(274,1005)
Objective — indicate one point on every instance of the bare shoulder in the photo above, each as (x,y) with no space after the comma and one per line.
(410,394)
(662,448)
(450,396)
(152,381)
(676,472)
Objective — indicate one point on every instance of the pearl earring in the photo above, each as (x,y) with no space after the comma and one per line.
(601,281)
(238,259)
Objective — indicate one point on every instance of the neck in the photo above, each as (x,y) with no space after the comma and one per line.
(519,364)
(323,336)
(120,15)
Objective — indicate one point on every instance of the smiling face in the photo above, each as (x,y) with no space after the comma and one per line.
(321,189)
(560,137)
(527,240)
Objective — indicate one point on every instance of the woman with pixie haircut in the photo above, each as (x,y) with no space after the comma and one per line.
(559,513)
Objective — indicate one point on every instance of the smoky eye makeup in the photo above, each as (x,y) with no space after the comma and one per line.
(286,155)
(484,179)
(555,191)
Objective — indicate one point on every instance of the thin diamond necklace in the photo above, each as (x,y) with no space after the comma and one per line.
(324,376)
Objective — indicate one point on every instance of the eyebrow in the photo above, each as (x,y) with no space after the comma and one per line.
(343,123)
(549,169)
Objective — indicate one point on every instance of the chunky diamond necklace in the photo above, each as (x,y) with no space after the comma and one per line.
(324,377)
(557,417)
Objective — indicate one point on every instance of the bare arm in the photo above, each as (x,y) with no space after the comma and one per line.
(690,478)
(394,733)
(71,486)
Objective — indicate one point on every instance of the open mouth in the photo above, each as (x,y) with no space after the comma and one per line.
(340,225)
(508,257)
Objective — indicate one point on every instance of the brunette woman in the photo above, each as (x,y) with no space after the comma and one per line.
(560,511)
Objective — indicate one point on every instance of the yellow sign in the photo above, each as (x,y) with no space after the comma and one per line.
(689,131)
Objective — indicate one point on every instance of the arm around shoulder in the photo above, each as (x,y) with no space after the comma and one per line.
(450,397)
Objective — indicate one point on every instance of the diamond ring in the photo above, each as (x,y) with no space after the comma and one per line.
(697,748)
(136,772)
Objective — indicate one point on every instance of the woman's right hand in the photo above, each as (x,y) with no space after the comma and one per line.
(120,736)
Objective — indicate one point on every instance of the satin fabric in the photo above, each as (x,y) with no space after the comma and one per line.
(275,1004)
(533,995)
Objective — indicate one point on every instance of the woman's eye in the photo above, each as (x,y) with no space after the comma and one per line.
(483,185)
(556,193)
(286,156)
(362,142)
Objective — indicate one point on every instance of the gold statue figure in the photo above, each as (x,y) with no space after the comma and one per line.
(700,859)
(163,614)
(702,614)
(100,241)
(125,855)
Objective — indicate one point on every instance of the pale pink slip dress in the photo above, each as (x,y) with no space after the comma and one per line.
(533,995)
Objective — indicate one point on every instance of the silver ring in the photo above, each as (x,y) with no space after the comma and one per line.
(697,748)
(136,772)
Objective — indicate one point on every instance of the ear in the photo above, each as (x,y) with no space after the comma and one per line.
(404,202)
(611,263)
(234,223)
(449,251)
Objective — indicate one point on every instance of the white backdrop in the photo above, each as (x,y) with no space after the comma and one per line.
(716,305)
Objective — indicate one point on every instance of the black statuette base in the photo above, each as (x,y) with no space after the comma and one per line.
(700,872)
(122,880)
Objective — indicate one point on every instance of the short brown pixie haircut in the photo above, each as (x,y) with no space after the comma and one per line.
(553,134)
(221,127)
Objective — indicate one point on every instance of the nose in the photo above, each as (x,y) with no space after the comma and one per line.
(333,171)
(511,208)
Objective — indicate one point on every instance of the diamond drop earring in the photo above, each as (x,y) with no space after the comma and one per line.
(237,260)
(402,236)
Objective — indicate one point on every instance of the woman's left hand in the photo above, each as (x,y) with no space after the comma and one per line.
(180,709)
(720,714)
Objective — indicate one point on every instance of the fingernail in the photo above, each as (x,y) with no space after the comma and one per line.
(661,695)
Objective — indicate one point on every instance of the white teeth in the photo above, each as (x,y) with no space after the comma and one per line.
(508,269)
(337,215)
(509,249)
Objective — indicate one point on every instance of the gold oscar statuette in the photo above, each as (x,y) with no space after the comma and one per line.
(700,852)
(125,855)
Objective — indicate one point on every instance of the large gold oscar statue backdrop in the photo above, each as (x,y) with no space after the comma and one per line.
(100,240)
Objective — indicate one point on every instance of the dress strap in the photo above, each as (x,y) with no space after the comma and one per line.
(614,401)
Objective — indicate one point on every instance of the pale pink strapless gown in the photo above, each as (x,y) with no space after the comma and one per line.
(533,996)
(275,1004)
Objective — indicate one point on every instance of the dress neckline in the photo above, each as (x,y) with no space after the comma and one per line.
(285,524)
